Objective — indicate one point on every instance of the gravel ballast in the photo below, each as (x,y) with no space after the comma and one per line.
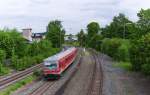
(80,82)
(117,81)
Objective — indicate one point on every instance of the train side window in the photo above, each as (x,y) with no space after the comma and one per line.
(61,63)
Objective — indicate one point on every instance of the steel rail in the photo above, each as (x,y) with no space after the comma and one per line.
(95,87)
(4,82)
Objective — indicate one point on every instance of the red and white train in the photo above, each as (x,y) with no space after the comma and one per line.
(55,65)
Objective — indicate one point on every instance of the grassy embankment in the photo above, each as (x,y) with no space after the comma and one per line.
(17,85)
(4,70)
(124,65)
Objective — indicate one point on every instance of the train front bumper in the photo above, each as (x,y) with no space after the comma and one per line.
(52,76)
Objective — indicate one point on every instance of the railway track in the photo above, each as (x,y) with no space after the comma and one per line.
(48,85)
(4,82)
(42,89)
(96,85)
(55,87)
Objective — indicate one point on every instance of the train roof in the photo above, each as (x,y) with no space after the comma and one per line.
(60,55)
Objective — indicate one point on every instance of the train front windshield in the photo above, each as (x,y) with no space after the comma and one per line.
(51,65)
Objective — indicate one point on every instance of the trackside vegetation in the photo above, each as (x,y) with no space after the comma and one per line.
(117,48)
(9,90)
(21,55)
(124,40)
(125,65)
(55,33)
(140,54)
(17,53)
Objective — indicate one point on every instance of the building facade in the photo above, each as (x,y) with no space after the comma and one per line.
(27,34)
(31,37)
(38,36)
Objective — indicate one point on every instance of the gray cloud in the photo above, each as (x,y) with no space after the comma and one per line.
(75,14)
(40,1)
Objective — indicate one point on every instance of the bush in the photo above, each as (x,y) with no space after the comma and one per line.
(38,58)
(37,73)
(11,39)
(22,63)
(140,53)
(41,47)
(110,46)
(27,61)
(123,51)
(3,70)
(2,56)
(146,69)
(124,65)
(116,48)
(23,55)
(15,86)
(15,62)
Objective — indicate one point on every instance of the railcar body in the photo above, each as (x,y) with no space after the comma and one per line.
(55,65)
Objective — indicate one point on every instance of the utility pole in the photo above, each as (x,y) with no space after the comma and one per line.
(60,38)
(124,29)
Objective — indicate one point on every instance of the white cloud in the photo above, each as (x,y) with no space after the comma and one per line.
(75,14)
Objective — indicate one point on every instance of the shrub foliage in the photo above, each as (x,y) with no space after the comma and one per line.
(116,48)
(140,53)
(22,54)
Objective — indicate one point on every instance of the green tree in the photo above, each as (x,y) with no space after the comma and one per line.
(118,27)
(55,33)
(98,41)
(117,48)
(19,43)
(10,39)
(140,52)
(34,49)
(93,29)
(14,60)
(2,58)
(81,38)
(43,47)
(144,21)
(6,43)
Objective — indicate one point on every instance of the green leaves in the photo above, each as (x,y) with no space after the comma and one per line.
(144,14)
(12,39)
(122,39)
(55,33)
(140,52)
(82,38)
(116,48)
(144,21)
(93,29)
(22,55)
(3,70)
(118,28)
(2,56)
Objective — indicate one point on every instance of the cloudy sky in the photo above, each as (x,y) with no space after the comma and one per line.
(74,14)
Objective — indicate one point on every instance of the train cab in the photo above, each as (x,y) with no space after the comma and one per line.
(51,69)
(51,65)
(55,65)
